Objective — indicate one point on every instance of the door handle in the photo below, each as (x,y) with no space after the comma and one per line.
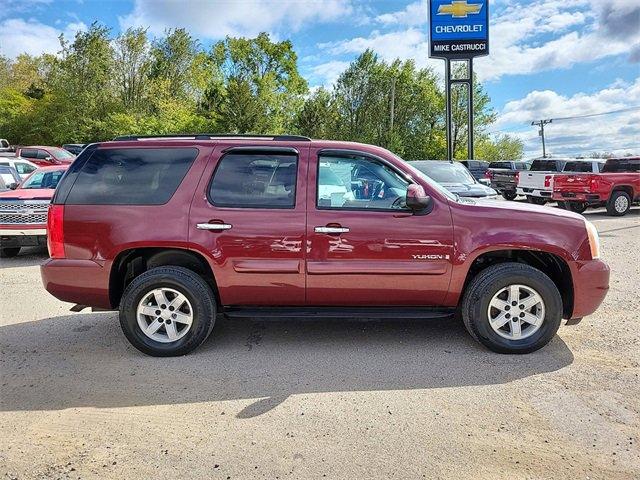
(213,226)
(331,230)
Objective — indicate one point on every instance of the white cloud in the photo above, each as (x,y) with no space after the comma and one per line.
(617,132)
(525,37)
(216,19)
(28,36)
(327,73)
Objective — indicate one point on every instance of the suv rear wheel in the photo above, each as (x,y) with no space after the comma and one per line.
(619,203)
(167,311)
(512,308)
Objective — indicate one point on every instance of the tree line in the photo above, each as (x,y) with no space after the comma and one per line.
(99,86)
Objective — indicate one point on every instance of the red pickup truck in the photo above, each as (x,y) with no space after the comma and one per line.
(617,187)
(23,211)
(45,156)
(173,231)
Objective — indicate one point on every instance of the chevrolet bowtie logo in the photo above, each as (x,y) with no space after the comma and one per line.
(459,9)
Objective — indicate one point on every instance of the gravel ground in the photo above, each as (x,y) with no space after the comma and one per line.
(342,400)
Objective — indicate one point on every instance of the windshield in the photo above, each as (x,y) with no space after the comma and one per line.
(43,179)
(61,154)
(445,172)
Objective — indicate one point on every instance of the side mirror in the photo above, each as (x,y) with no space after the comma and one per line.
(418,200)
(48,158)
(13,186)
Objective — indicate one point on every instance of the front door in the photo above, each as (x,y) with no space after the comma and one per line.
(365,247)
(248,215)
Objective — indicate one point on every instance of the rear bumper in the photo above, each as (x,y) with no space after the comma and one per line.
(590,285)
(534,192)
(577,197)
(77,281)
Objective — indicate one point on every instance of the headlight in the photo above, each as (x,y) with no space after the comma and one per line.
(594,239)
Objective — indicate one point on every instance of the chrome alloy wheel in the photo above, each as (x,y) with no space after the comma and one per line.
(621,204)
(164,315)
(516,312)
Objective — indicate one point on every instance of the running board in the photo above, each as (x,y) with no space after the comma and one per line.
(317,313)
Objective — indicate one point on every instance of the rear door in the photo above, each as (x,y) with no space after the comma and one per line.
(365,247)
(249,215)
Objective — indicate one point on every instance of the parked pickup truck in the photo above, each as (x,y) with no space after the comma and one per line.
(537,183)
(173,231)
(617,187)
(23,211)
(45,156)
(503,176)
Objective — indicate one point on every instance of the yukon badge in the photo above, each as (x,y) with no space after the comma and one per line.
(430,257)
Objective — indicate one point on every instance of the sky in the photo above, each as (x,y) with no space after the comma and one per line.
(548,59)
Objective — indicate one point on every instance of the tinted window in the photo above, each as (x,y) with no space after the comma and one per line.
(500,165)
(545,166)
(131,176)
(359,183)
(43,179)
(522,166)
(42,154)
(618,165)
(29,153)
(255,180)
(581,167)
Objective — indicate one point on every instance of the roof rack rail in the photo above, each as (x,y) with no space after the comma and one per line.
(210,136)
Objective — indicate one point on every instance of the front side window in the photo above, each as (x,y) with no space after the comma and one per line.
(24,168)
(45,179)
(359,183)
(255,180)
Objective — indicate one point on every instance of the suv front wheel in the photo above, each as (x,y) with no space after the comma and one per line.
(167,311)
(512,308)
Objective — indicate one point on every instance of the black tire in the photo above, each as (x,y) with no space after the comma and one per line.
(536,200)
(611,204)
(478,295)
(577,207)
(9,252)
(183,280)
(509,195)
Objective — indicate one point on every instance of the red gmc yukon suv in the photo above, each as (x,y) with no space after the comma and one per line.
(173,231)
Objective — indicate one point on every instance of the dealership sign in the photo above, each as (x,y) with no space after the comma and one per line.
(459,29)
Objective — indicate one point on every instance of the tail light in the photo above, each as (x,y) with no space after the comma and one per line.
(547,181)
(593,185)
(55,231)
(488,175)
(517,177)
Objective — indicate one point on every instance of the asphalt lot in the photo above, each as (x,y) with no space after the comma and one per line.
(337,399)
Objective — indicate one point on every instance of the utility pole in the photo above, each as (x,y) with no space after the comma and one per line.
(541,124)
(393,103)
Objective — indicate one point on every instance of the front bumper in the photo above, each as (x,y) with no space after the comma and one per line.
(590,286)
(22,237)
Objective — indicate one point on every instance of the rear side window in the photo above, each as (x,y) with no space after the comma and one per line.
(29,153)
(617,165)
(24,168)
(131,176)
(255,180)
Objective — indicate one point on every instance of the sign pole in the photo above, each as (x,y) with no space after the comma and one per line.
(449,126)
(458,30)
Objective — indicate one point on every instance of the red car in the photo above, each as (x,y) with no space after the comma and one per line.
(45,156)
(23,211)
(173,231)
(616,187)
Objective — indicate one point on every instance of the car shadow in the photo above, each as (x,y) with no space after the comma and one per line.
(83,360)
(28,257)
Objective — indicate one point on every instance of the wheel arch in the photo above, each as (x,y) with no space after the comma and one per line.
(551,264)
(131,262)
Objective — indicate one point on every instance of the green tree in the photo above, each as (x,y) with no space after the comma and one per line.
(504,147)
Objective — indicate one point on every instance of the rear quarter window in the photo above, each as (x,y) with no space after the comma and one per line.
(131,176)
